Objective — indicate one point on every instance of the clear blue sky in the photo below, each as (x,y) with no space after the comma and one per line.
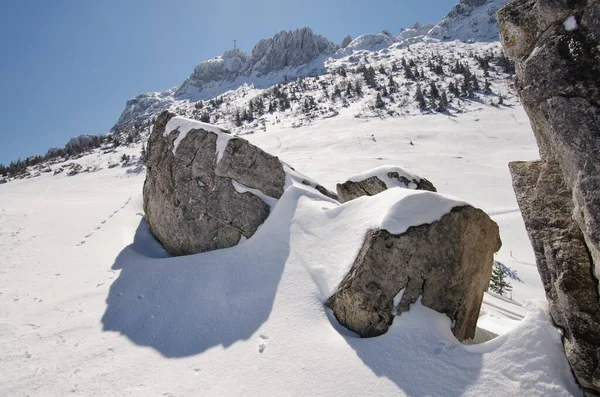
(68,66)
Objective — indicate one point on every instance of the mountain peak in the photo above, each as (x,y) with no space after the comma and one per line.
(288,48)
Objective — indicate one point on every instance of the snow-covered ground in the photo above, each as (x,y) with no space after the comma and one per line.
(90,304)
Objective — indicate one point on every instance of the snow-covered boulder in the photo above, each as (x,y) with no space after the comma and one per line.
(447,262)
(379,179)
(206,189)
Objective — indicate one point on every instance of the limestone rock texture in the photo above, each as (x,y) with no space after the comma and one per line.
(190,197)
(556,48)
(448,263)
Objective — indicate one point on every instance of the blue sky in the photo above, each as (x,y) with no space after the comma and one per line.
(68,66)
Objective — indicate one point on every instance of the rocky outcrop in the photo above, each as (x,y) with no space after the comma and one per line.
(206,189)
(448,263)
(288,48)
(563,261)
(285,49)
(190,200)
(378,180)
(347,40)
(556,48)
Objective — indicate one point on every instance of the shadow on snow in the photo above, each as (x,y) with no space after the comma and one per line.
(182,306)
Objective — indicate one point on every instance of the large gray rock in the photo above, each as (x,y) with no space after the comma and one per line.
(379,180)
(448,263)
(190,200)
(563,261)
(560,89)
(556,46)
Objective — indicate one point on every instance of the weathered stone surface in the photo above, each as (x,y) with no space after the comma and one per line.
(253,167)
(556,46)
(564,263)
(560,89)
(373,185)
(190,201)
(448,263)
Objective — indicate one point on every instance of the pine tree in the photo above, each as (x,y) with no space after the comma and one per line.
(349,90)
(408,73)
(420,98)
(498,282)
(205,117)
(392,85)
(433,90)
(379,102)
(487,87)
(358,88)
(443,104)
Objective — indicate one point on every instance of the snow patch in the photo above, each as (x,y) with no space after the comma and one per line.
(570,24)
(397,300)
(413,208)
(222,141)
(184,126)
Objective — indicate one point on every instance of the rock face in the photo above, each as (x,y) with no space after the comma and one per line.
(448,263)
(347,40)
(191,196)
(556,46)
(563,261)
(378,180)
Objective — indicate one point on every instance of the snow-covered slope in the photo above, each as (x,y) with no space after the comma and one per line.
(469,20)
(92,305)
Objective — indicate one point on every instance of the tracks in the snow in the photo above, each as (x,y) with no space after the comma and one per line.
(101,225)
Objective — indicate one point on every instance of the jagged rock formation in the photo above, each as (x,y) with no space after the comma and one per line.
(556,48)
(347,40)
(285,49)
(378,180)
(206,189)
(448,263)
